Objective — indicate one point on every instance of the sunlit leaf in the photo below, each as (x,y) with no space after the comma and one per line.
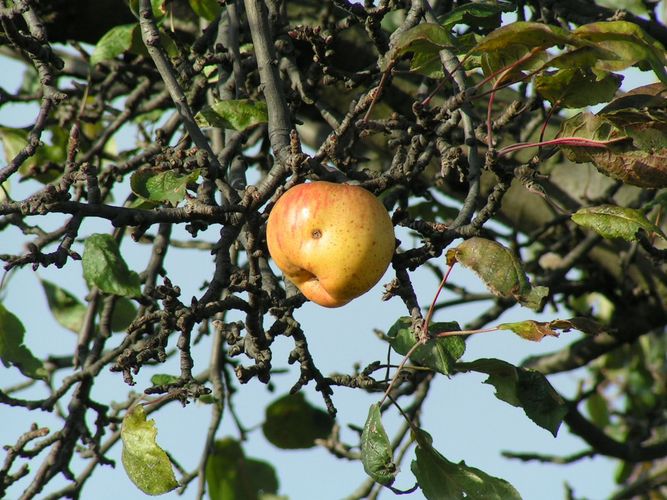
(611,221)
(629,42)
(376,452)
(113,43)
(500,270)
(162,185)
(146,464)
(528,34)
(425,41)
(46,164)
(105,268)
(440,479)
(164,379)
(13,351)
(233,114)
(439,354)
(530,329)
(293,423)
(208,9)
(230,475)
(527,389)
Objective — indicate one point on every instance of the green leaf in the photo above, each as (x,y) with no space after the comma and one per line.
(630,44)
(233,114)
(164,379)
(158,7)
(162,186)
(12,350)
(598,410)
(230,475)
(376,452)
(146,464)
(577,87)
(527,34)
(439,354)
(293,423)
(123,314)
(104,267)
(46,164)
(530,329)
(208,9)
(499,269)
(611,221)
(476,15)
(527,389)
(425,41)
(65,307)
(70,312)
(440,479)
(113,43)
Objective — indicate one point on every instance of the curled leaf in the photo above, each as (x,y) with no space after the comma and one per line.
(624,157)
(611,221)
(376,451)
(500,270)
(146,464)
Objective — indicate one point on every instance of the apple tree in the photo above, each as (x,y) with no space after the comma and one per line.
(500,136)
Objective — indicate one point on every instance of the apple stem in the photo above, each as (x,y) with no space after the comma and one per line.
(405,359)
(431,309)
(466,332)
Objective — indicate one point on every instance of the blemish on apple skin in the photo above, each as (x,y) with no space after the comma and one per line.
(316,234)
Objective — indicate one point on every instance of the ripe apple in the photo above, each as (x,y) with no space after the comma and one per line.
(333,241)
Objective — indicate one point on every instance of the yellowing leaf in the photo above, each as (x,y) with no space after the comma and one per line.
(530,330)
(146,464)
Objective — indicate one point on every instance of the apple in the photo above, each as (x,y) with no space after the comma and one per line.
(333,241)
